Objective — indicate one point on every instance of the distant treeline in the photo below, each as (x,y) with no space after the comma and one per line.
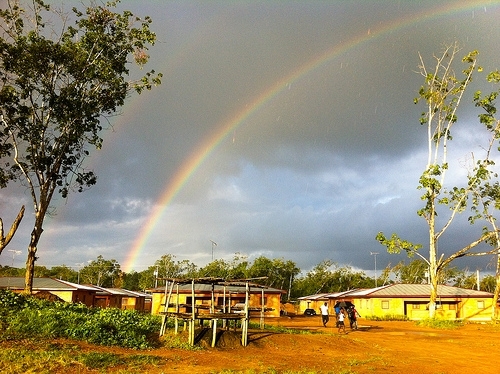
(325,277)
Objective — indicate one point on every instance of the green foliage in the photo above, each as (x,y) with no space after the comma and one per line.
(24,316)
(328,276)
(172,340)
(287,330)
(395,244)
(44,356)
(101,272)
(388,317)
(479,194)
(57,88)
(437,323)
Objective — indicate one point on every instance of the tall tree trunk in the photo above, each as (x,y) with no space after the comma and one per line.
(497,291)
(32,248)
(433,276)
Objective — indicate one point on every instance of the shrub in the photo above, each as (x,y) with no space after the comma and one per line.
(437,323)
(24,316)
(388,317)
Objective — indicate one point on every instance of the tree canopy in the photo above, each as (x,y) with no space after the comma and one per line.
(61,76)
(479,195)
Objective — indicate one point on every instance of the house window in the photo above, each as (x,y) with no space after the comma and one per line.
(385,304)
(480,304)
(416,306)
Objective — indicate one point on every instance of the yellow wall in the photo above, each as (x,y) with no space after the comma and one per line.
(77,296)
(314,304)
(468,308)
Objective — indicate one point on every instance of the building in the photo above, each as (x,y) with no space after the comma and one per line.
(91,296)
(131,300)
(67,291)
(412,301)
(315,301)
(216,295)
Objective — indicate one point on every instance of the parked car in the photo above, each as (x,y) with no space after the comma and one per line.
(309,312)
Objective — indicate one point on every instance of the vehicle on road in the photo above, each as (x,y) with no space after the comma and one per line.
(309,312)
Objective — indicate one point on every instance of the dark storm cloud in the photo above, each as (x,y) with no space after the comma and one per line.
(313,173)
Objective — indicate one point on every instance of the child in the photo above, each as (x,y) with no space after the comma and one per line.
(341,321)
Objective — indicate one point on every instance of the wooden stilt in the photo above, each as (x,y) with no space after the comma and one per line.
(214,333)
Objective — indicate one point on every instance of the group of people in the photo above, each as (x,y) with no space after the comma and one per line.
(340,315)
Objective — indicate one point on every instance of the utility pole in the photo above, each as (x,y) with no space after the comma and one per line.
(14,254)
(374,254)
(214,244)
(156,276)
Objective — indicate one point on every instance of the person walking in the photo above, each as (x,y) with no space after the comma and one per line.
(324,313)
(340,322)
(337,311)
(353,317)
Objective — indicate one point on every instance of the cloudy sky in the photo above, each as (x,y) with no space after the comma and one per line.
(282,128)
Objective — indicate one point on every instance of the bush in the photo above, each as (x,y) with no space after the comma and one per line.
(25,316)
(388,317)
(437,323)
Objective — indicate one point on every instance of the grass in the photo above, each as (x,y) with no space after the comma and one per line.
(45,357)
(437,323)
(388,317)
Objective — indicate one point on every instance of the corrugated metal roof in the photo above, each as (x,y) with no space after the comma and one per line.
(324,296)
(87,287)
(318,296)
(217,288)
(51,284)
(363,291)
(420,290)
(401,290)
(137,293)
(39,284)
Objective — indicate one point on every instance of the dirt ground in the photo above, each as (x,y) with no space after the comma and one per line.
(376,347)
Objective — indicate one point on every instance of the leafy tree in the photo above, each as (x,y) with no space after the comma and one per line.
(489,283)
(41,271)
(487,196)
(238,267)
(417,272)
(218,268)
(101,272)
(57,87)
(279,273)
(147,278)
(442,94)
(329,277)
(413,273)
(465,279)
(8,271)
(63,272)
(166,267)
(131,281)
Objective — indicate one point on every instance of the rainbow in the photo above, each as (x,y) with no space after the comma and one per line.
(205,148)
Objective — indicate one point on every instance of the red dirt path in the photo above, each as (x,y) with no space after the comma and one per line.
(377,347)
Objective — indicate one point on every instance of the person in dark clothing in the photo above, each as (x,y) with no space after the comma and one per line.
(353,315)
(337,311)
